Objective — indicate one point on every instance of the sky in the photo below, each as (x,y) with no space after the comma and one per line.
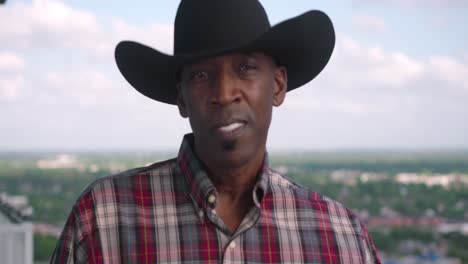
(398,78)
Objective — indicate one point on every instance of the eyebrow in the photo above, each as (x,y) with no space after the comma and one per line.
(252,54)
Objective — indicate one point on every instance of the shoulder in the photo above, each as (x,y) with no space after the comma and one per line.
(116,190)
(102,199)
(126,179)
(282,183)
(314,205)
(310,211)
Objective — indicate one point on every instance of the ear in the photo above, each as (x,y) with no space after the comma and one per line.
(181,102)
(281,85)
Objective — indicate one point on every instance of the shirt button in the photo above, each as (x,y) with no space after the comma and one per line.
(232,245)
(200,213)
(211,199)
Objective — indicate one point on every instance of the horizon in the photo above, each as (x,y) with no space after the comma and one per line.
(272,151)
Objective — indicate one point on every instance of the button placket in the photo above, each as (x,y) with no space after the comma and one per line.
(231,252)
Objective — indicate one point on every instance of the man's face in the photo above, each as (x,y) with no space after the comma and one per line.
(228,100)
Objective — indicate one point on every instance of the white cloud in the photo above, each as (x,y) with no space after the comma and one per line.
(84,88)
(50,24)
(71,40)
(327,99)
(159,36)
(448,69)
(416,3)
(10,62)
(358,65)
(10,88)
(367,96)
(12,80)
(369,23)
(370,81)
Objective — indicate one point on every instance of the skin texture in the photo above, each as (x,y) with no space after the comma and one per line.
(218,91)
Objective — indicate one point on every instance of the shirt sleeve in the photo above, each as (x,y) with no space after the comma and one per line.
(63,252)
(68,249)
(371,254)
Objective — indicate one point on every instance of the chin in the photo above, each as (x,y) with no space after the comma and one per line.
(235,154)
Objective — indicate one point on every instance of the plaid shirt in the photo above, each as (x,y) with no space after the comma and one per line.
(166,213)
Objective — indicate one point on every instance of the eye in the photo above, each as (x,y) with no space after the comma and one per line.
(197,75)
(246,67)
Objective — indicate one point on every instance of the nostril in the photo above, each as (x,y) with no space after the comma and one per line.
(226,94)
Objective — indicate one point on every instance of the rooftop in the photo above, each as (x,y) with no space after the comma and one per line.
(14,209)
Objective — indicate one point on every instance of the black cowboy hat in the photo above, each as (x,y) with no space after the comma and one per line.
(205,28)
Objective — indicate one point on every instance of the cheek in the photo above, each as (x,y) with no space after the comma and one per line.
(268,101)
(196,113)
(192,102)
(263,106)
(265,97)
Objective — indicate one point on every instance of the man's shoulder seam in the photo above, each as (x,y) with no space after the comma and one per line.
(128,173)
(284,181)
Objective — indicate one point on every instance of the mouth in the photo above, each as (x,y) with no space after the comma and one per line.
(231,127)
(231,130)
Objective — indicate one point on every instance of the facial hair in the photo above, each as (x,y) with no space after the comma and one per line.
(229,145)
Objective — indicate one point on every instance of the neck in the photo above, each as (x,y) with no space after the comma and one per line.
(234,185)
(233,179)
(235,182)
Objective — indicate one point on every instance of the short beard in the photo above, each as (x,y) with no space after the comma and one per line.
(229,145)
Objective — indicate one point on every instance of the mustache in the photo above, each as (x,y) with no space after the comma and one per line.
(223,117)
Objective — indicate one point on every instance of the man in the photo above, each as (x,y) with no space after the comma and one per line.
(218,201)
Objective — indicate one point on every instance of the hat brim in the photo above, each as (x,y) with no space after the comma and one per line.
(302,44)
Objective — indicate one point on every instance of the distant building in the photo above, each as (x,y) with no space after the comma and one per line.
(404,221)
(351,177)
(16,232)
(61,161)
(422,260)
(453,226)
(348,177)
(445,180)
(47,229)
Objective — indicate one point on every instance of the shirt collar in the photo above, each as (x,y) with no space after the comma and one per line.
(200,186)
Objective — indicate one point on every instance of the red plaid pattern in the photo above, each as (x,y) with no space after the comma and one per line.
(162,214)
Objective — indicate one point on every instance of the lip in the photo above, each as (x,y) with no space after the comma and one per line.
(230,129)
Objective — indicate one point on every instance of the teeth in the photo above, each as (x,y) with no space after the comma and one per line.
(231,127)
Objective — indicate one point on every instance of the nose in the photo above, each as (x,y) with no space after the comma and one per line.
(226,89)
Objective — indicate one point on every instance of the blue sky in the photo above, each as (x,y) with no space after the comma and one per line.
(398,78)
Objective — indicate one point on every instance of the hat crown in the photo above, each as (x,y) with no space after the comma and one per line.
(209,25)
